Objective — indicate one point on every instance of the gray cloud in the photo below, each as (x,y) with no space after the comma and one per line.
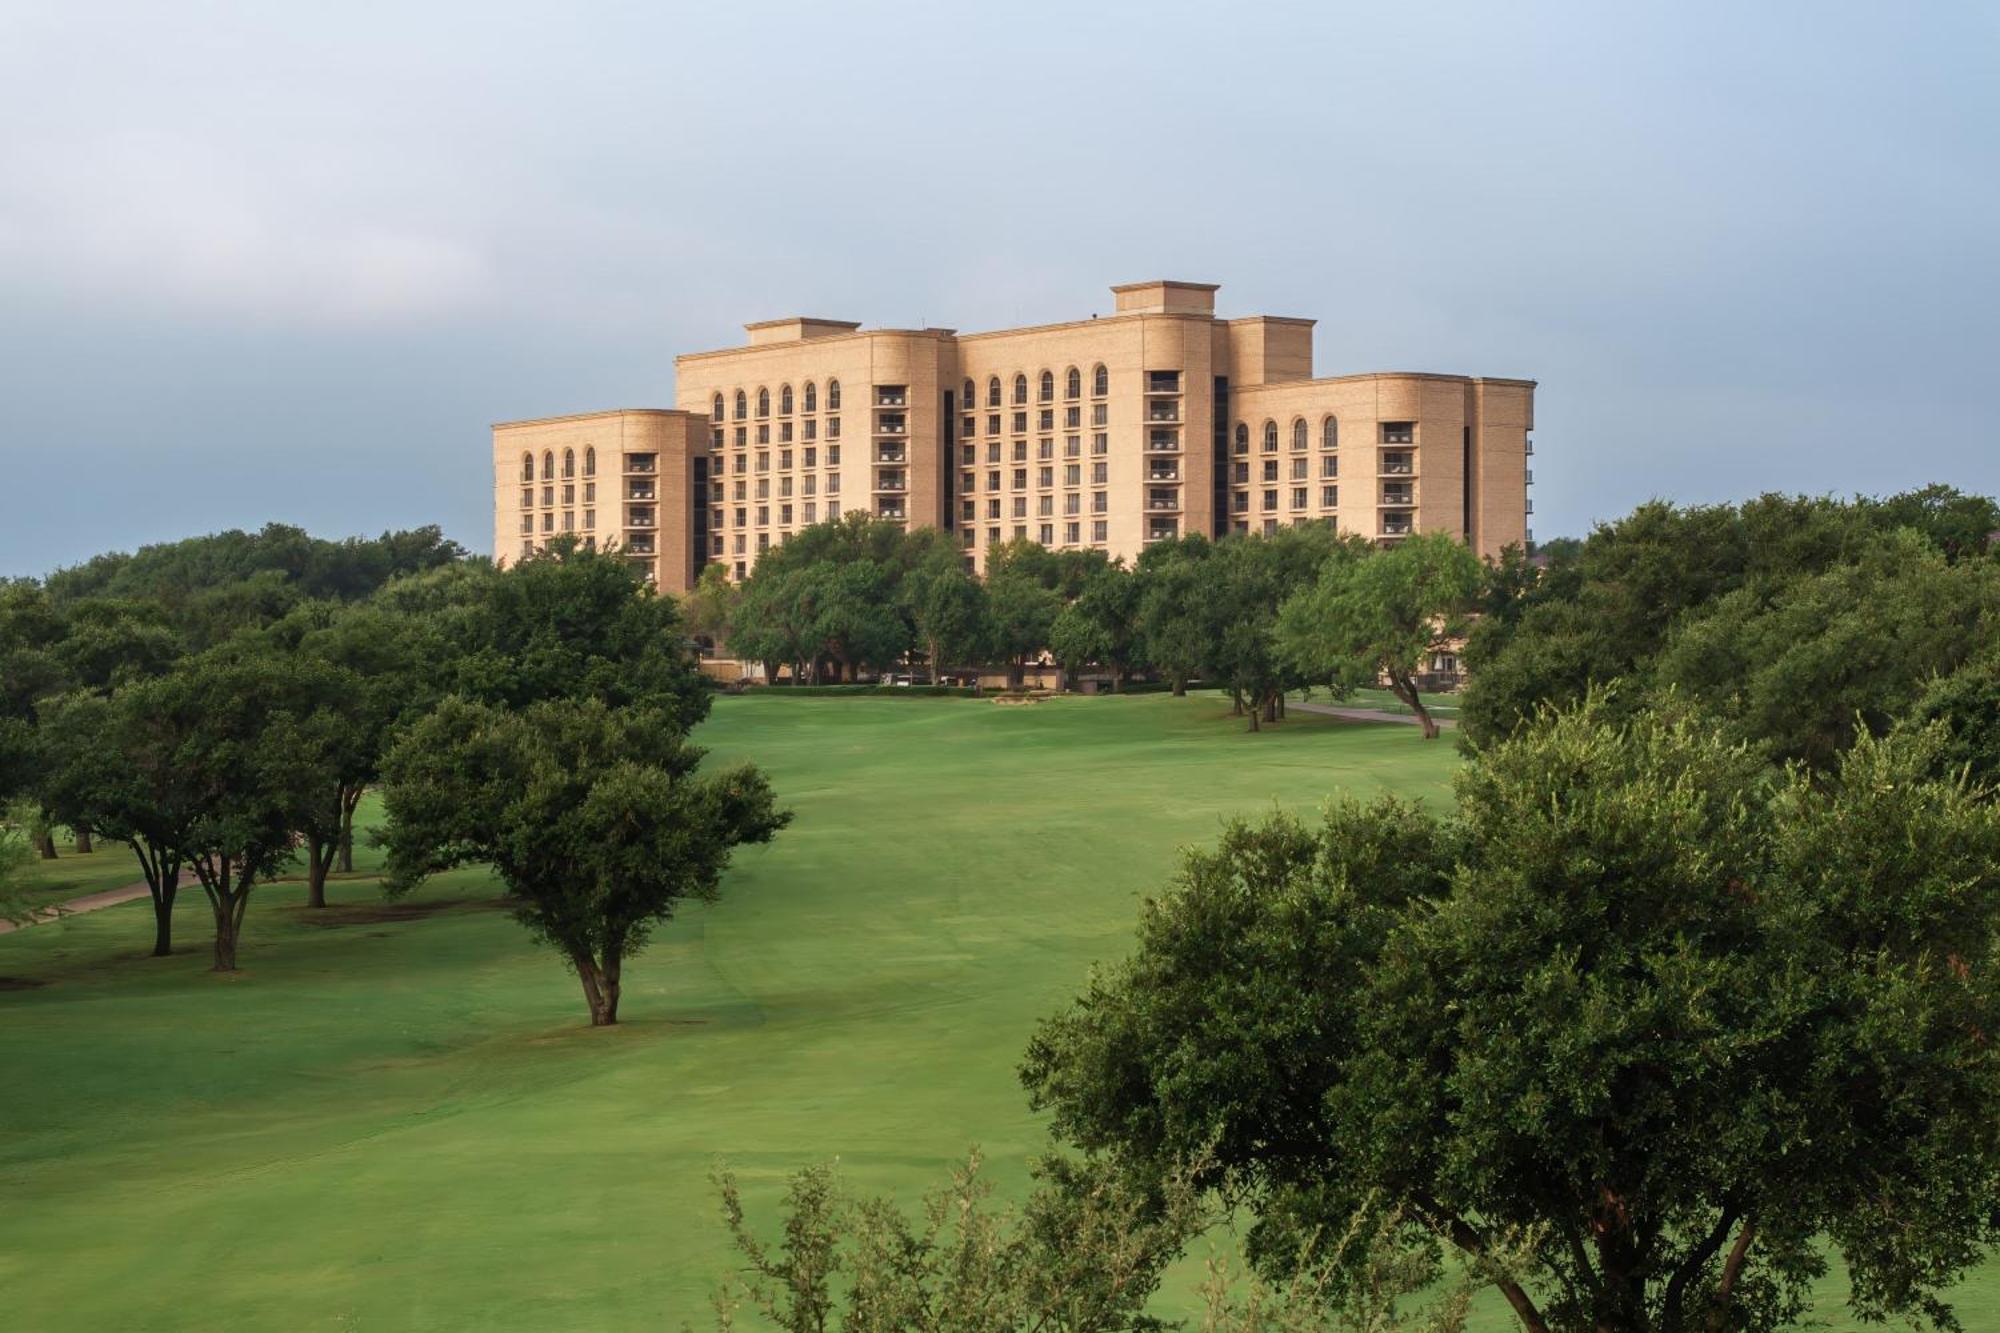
(287,261)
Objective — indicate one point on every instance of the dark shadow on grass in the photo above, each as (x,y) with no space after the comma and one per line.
(375,914)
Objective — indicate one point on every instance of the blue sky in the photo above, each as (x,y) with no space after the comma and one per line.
(287,261)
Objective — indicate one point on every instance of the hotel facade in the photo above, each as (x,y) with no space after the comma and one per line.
(1106,433)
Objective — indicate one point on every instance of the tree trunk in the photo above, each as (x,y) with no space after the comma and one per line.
(45,845)
(1235,703)
(318,855)
(1017,672)
(600,986)
(1271,708)
(346,863)
(84,847)
(163,920)
(1180,687)
(1405,689)
(1117,680)
(225,936)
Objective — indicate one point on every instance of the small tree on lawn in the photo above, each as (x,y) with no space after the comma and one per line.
(594,817)
(1380,615)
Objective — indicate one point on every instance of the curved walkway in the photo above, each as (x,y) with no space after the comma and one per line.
(89,902)
(1363,714)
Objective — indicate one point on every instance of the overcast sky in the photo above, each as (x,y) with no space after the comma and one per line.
(288,261)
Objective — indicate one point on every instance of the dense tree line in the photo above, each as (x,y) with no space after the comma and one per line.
(1798,622)
(1257,616)
(220,705)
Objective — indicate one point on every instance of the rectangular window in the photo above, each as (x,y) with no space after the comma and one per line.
(969,510)
(1072,474)
(1045,506)
(993,424)
(833,428)
(1070,533)
(784,432)
(1270,499)
(1098,503)
(1329,466)
(1072,418)
(1100,414)
(1045,476)
(784,513)
(1270,469)
(1020,506)
(1099,473)
(833,455)
(1047,418)
(742,437)
(993,508)
(812,511)
(812,429)
(1020,451)
(1298,497)
(1299,469)
(763,516)
(1098,528)
(832,488)
(1072,446)
(1399,432)
(1072,503)
(1046,534)
(993,481)
(784,458)
(1100,444)
(764,434)
(589,518)
(811,486)
(1329,497)
(1020,478)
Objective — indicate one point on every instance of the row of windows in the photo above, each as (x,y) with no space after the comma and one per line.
(808,485)
(1329,498)
(549,464)
(810,455)
(1045,477)
(1072,534)
(809,403)
(568,521)
(1392,432)
(810,511)
(1100,385)
(1072,448)
(1044,507)
(808,430)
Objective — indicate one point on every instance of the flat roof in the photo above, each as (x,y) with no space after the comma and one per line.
(593,416)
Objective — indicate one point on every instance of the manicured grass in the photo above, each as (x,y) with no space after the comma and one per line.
(110,865)
(399,1120)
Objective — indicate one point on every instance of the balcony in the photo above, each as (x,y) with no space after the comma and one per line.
(892,423)
(892,396)
(1163,411)
(640,546)
(1163,381)
(891,509)
(1166,472)
(1531,449)
(1394,494)
(890,453)
(1163,442)
(641,462)
(1399,464)
(890,481)
(641,518)
(639,490)
(1162,530)
(1529,476)
(1397,525)
(1163,504)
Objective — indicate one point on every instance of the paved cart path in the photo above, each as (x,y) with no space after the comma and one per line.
(89,902)
(1364,714)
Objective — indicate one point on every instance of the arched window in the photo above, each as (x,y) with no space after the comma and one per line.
(993,391)
(1048,386)
(1299,433)
(590,462)
(1242,438)
(833,395)
(1100,382)
(1020,389)
(1073,384)
(1270,437)
(785,400)
(742,405)
(569,464)
(1329,434)
(812,397)
(715,409)
(763,402)
(548,466)
(527,467)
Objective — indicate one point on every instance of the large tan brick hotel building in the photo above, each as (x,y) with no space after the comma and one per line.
(1155,420)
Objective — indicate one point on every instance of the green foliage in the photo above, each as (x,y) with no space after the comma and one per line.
(1378,615)
(573,624)
(1610,609)
(1664,1014)
(594,817)
(1800,666)
(1967,704)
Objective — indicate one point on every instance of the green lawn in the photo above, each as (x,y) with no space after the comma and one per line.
(399,1120)
(110,866)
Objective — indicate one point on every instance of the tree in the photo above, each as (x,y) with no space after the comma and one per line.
(1171,622)
(594,817)
(1669,1016)
(574,623)
(200,769)
(710,607)
(1021,611)
(1381,615)
(1100,625)
(1798,667)
(362,671)
(1967,704)
(947,607)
